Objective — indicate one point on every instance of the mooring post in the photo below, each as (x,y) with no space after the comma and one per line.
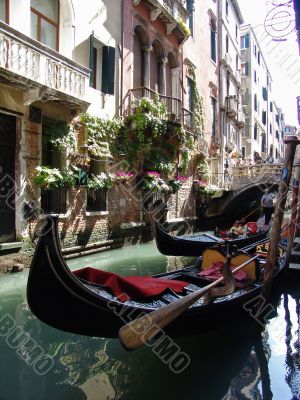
(286,172)
(294,206)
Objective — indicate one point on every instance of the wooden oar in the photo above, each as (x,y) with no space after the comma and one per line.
(137,332)
(252,212)
(216,239)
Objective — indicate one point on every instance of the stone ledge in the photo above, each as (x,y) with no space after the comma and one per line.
(10,246)
(130,225)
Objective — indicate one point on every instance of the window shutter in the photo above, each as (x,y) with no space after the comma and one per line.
(247,41)
(265,93)
(213,45)
(91,56)
(108,70)
(246,68)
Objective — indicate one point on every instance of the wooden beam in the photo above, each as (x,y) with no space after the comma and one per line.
(291,144)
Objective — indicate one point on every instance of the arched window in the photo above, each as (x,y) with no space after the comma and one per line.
(139,44)
(156,67)
(44,21)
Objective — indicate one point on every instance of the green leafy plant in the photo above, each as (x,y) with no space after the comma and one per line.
(48,178)
(101,132)
(198,109)
(212,191)
(155,185)
(159,161)
(102,181)
(203,169)
(136,137)
(60,134)
(175,185)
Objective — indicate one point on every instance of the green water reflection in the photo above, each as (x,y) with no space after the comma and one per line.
(226,364)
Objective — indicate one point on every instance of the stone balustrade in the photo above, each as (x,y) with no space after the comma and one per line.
(27,64)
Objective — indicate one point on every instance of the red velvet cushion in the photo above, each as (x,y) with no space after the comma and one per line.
(126,288)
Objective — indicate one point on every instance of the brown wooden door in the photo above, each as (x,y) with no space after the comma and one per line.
(7,177)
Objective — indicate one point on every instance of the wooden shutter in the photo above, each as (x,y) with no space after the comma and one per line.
(247,40)
(108,70)
(213,45)
(91,63)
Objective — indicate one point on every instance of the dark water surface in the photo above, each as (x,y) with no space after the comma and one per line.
(227,363)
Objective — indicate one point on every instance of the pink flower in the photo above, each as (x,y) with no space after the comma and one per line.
(182,178)
(202,182)
(152,174)
(122,174)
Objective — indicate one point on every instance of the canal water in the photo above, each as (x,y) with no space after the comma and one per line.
(225,364)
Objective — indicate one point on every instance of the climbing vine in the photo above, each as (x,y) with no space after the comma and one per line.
(100,133)
(135,138)
(198,118)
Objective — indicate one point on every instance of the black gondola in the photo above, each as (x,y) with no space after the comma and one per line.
(60,299)
(190,246)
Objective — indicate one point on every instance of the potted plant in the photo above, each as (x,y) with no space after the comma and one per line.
(48,178)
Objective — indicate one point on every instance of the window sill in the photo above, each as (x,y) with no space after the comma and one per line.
(60,216)
(213,62)
(96,213)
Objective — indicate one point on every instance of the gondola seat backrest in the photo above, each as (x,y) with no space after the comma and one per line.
(210,256)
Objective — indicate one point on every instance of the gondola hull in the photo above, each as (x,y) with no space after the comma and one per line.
(61,300)
(193,247)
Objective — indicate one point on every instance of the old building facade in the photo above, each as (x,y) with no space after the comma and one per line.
(118,113)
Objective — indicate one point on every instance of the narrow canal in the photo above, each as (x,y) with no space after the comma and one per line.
(225,364)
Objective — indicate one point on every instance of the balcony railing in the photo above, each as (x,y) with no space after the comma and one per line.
(175,112)
(28,64)
(172,104)
(169,11)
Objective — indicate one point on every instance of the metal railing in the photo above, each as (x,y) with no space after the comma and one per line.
(241,176)
(173,105)
(96,200)
(54,201)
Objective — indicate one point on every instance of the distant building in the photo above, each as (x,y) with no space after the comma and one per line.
(262,134)
(232,117)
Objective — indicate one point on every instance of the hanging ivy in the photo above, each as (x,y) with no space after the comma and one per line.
(59,133)
(198,118)
(100,133)
(140,130)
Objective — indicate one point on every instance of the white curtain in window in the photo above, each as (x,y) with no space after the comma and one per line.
(48,8)
(2,10)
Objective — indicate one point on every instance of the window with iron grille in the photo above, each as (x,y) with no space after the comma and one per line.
(96,200)
(54,201)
